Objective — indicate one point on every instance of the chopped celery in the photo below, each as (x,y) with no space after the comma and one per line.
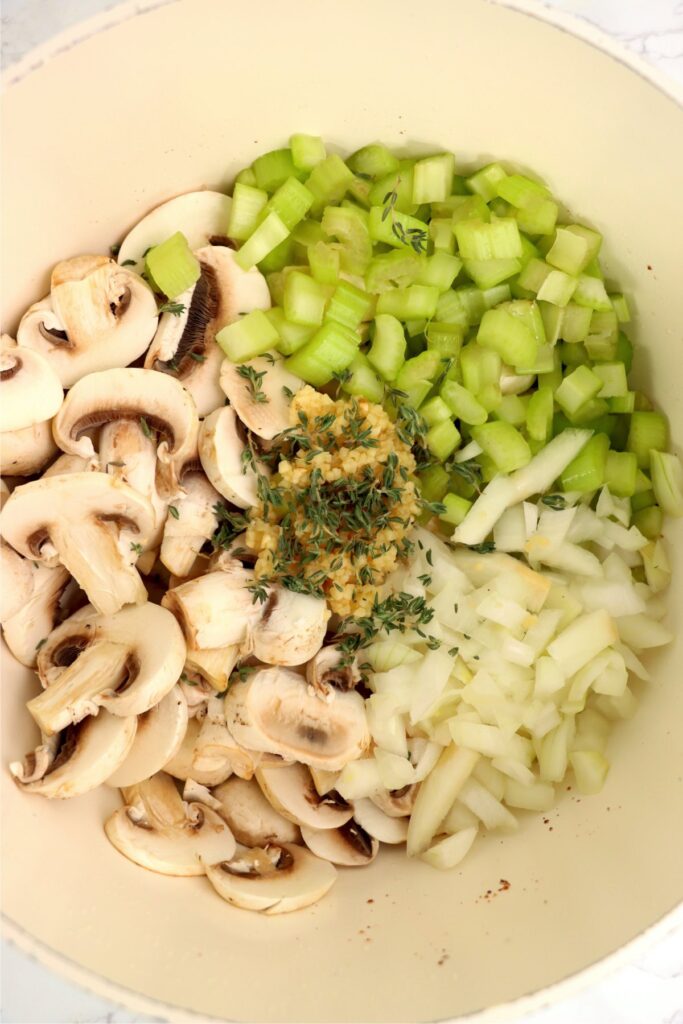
(278,258)
(649,521)
(504,444)
(496,240)
(538,216)
(435,411)
(424,366)
(622,403)
(291,202)
(398,268)
(539,414)
(324,261)
(485,181)
(399,183)
(439,270)
(328,181)
(573,355)
(172,266)
(267,235)
(307,151)
(519,190)
(613,377)
(398,229)
(573,248)
(621,469)
(248,337)
(441,234)
(667,481)
(360,189)
(272,169)
(246,177)
(374,161)
(620,307)
(330,350)
(591,292)
(415,393)
(576,389)
(507,335)
(417,301)
(480,367)
(587,471)
(444,338)
(463,404)
(247,204)
(442,439)
(304,300)
(292,336)
(488,273)
(463,208)
(557,288)
(553,318)
(434,480)
(307,233)
(363,381)
(433,178)
(457,508)
(512,409)
(350,226)
(348,305)
(647,431)
(576,323)
(452,309)
(642,499)
(534,275)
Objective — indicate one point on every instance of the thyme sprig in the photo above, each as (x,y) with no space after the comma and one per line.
(254,379)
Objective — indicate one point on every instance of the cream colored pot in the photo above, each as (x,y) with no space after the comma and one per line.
(130,109)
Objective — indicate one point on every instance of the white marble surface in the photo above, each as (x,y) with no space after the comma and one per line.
(647,991)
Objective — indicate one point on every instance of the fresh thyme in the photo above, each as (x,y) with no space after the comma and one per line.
(484,548)
(137,548)
(175,308)
(173,511)
(415,238)
(254,379)
(230,525)
(399,612)
(145,427)
(470,472)
(554,501)
(129,263)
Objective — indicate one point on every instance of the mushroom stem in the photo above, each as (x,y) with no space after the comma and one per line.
(90,554)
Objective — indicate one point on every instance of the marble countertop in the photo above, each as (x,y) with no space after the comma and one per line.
(647,991)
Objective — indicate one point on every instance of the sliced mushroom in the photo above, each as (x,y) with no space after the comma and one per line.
(216,748)
(200,216)
(274,880)
(29,628)
(98,316)
(85,756)
(378,824)
(197,692)
(72,464)
(192,521)
(182,765)
(215,665)
(349,846)
(290,629)
(125,663)
(323,780)
(159,735)
(396,803)
(37,762)
(30,390)
(17,582)
(260,391)
(185,344)
(330,668)
(89,523)
(273,710)
(252,819)
(157,403)
(129,455)
(291,791)
(157,830)
(222,452)
(25,452)
(216,610)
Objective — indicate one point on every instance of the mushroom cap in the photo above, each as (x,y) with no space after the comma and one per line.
(182,765)
(291,628)
(30,390)
(214,664)
(215,610)
(263,410)
(159,735)
(25,452)
(88,754)
(220,450)
(34,621)
(252,819)
(127,454)
(125,663)
(98,316)
(291,791)
(185,343)
(17,582)
(157,402)
(273,710)
(378,824)
(200,216)
(396,803)
(276,880)
(186,533)
(168,837)
(83,521)
(349,846)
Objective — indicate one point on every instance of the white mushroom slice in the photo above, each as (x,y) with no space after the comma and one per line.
(72,464)
(89,523)
(87,755)
(323,780)
(215,747)
(158,403)
(197,692)
(378,824)
(512,383)
(25,452)
(37,762)
(221,450)
(291,628)
(252,820)
(29,628)
(236,551)
(329,669)
(159,735)
(215,665)
(182,764)
(349,846)
(125,663)
(396,803)
(191,521)
(165,835)
(260,391)
(193,793)
(291,791)
(215,610)
(4,493)
(276,880)
(129,455)
(98,316)
(273,710)
(30,390)
(200,216)
(185,344)
(17,582)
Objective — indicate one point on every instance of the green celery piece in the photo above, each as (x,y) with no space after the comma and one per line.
(512,409)
(442,439)
(648,431)
(373,161)
(539,415)
(424,366)
(667,482)
(557,288)
(591,292)
(621,469)
(441,234)
(246,177)
(553,320)
(509,336)
(283,255)
(172,266)
(613,377)
(488,273)
(388,349)
(417,301)
(328,182)
(602,339)
(434,480)
(446,339)
(245,210)
(538,216)
(348,305)
(576,323)
(269,234)
(485,181)
(462,208)
(498,239)
(291,202)
(649,521)
(573,248)
(586,472)
(577,389)
(324,261)
(399,182)
(248,337)
(292,336)
(439,270)
(433,178)
(307,151)
(331,350)
(435,411)
(396,269)
(503,444)
(397,229)
(363,382)
(350,226)
(534,275)
(463,404)
(620,306)
(457,508)
(480,368)
(272,169)
(304,300)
